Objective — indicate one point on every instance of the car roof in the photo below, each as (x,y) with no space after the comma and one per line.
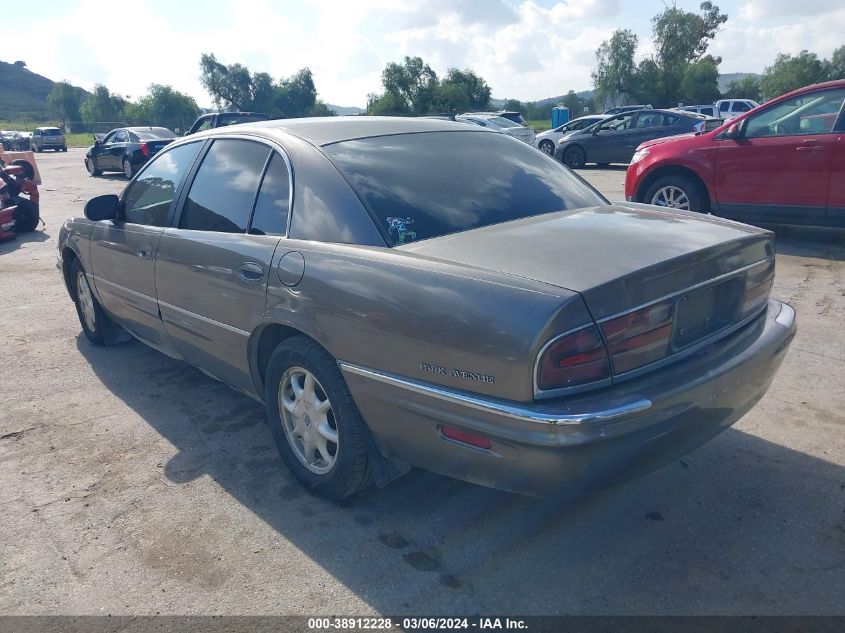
(327,130)
(48,127)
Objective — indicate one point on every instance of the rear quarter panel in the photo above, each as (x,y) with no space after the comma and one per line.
(423,319)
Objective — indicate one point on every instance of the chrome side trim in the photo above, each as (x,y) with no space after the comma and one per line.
(134,293)
(204,319)
(513,411)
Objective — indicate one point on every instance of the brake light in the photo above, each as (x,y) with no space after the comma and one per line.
(640,337)
(145,149)
(758,285)
(572,360)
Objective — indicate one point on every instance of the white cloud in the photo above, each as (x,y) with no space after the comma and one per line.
(523,48)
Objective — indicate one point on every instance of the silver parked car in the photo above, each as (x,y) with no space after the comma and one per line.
(416,292)
(499,124)
(547,140)
(48,138)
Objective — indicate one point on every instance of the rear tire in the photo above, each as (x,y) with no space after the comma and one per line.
(64,149)
(308,403)
(676,192)
(128,169)
(92,318)
(574,157)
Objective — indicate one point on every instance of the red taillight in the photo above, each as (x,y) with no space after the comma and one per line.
(145,149)
(465,437)
(572,360)
(758,285)
(640,337)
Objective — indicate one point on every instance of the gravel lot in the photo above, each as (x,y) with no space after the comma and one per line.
(133,484)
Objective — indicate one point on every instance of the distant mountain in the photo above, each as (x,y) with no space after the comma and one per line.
(584,94)
(23,94)
(345,110)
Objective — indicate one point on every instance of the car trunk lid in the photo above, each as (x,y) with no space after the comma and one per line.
(618,256)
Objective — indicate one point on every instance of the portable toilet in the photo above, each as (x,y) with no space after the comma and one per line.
(560,115)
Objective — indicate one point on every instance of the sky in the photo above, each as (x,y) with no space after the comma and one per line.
(524,49)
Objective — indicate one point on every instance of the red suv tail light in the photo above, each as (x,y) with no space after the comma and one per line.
(639,338)
(758,284)
(572,360)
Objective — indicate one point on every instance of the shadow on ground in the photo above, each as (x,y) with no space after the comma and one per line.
(822,243)
(740,526)
(39,235)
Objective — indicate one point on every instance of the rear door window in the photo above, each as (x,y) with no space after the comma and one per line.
(223,192)
(273,203)
(148,198)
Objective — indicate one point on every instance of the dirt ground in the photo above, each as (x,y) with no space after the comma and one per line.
(133,484)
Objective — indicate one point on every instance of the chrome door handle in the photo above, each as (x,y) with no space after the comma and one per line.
(145,253)
(251,272)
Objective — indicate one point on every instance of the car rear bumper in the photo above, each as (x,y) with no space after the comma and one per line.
(577,444)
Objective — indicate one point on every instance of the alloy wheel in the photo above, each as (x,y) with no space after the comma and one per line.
(671,196)
(308,420)
(86,301)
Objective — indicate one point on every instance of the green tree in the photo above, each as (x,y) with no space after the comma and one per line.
(229,86)
(296,95)
(463,91)
(574,103)
(102,105)
(513,104)
(615,67)
(700,82)
(263,93)
(387,104)
(63,101)
(166,107)
(413,81)
(790,72)
(746,88)
(836,65)
(681,39)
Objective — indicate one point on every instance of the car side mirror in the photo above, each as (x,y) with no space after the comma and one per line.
(734,131)
(102,207)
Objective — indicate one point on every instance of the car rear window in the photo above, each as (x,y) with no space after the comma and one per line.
(51,132)
(155,134)
(419,186)
(231,119)
(503,122)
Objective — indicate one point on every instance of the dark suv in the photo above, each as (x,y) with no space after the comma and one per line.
(222,119)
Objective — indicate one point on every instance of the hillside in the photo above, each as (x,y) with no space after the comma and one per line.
(345,110)
(23,94)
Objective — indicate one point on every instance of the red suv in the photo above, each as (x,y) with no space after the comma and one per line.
(782,163)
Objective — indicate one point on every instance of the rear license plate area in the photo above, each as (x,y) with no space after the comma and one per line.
(707,310)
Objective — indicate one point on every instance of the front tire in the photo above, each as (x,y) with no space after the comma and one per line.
(676,192)
(547,147)
(91,316)
(574,157)
(318,430)
(92,170)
